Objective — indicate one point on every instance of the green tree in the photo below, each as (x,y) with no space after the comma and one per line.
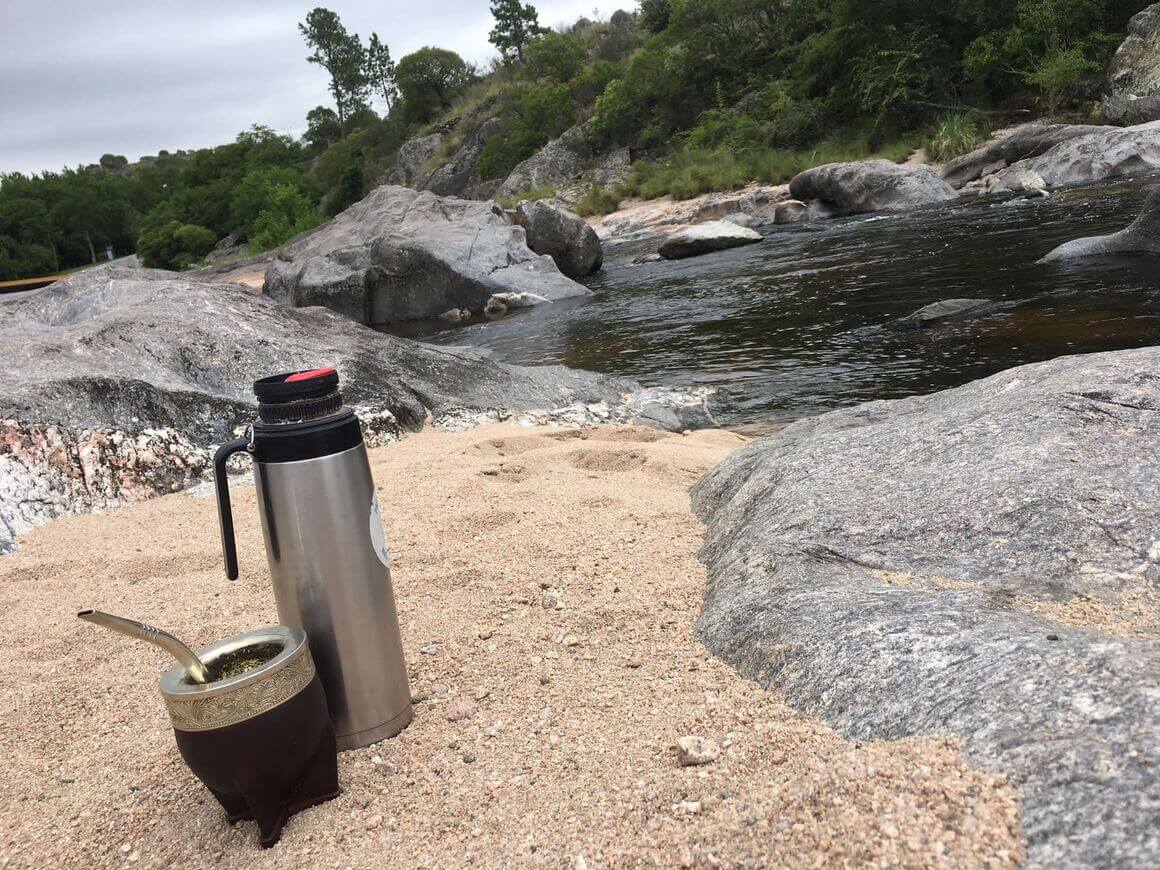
(322,127)
(380,71)
(533,114)
(557,56)
(342,55)
(287,213)
(515,25)
(429,80)
(170,244)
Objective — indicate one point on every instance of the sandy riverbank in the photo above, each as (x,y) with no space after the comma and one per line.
(551,577)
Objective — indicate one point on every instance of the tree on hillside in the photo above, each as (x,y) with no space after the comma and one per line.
(322,127)
(515,25)
(380,71)
(342,55)
(429,80)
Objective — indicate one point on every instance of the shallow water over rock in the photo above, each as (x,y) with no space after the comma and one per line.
(801,322)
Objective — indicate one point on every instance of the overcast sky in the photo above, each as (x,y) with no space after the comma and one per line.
(81,79)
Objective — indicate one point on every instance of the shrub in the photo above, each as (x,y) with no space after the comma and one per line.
(555,56)
(598,200)
(173,245)
(287,213)
(534,113)
(1057,74)
(954,134)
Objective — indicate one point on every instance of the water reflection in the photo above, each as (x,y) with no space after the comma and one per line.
(798,324)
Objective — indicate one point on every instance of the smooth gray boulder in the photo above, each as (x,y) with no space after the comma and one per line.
(1109,153)
(982,562)
(403,255)
(870,185)
(116,384)
(1141,236)
(1030,140)
(561,235)
(940,312)
(1133,95)
(705,238)
(561,161)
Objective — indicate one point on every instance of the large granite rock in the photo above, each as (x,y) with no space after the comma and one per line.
(1141,236)
(1134,77)
(116,384)
(403,255)
(870,185)
(561,161)
(1030,140)
(562,235)
(983,562)
(1107,153)
(411,161)
(706,238)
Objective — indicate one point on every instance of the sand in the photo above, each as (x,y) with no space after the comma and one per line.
(547,585)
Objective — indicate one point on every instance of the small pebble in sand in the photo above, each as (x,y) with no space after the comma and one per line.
(462,708)
(493,729)
(430,649)
(480,694)
(374,821)
(571,640)
(693,750)
(693,808)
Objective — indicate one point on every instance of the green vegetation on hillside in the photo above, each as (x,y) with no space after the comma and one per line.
(706,94)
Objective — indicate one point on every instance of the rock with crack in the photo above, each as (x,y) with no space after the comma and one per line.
(706,238)
(1108,153)
(870,185)
(562,235)
(982,562)
(1030,140)
(560,161)
(116,385)
(1134,77)
(402,255)
(1141,236)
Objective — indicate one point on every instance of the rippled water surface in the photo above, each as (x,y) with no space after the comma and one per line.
(797,324)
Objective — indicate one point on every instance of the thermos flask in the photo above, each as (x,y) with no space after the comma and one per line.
(326,548)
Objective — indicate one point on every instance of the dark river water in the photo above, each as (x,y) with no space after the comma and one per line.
(797,324)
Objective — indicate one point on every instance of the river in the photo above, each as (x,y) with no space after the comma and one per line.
(799,323)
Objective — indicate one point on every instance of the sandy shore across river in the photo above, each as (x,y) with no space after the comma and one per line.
(547,584)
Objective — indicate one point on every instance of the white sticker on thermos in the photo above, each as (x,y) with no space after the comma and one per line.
(378,536)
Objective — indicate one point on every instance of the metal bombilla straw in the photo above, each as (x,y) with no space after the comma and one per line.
(193,665)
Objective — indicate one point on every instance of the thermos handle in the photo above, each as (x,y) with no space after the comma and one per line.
(225,513)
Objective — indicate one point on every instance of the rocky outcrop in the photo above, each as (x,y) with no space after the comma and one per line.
(459,176)
(561,161)
(402,255)
(1108,153)
(706,238)
(117,384)
(869,186)
(561,235)
(412,159)
(982,562)
(1142,236)
(1030,140)
(938,313)
(1133,95)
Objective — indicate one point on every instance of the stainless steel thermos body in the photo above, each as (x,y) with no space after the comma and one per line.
(320,519)
(327,554)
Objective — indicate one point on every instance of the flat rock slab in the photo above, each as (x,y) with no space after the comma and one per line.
(705,238)
(1030,140)
(116,383)
(870,185)
(401,255)
(984,562)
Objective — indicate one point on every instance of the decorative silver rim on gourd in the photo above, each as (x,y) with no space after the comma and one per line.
(222,702)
